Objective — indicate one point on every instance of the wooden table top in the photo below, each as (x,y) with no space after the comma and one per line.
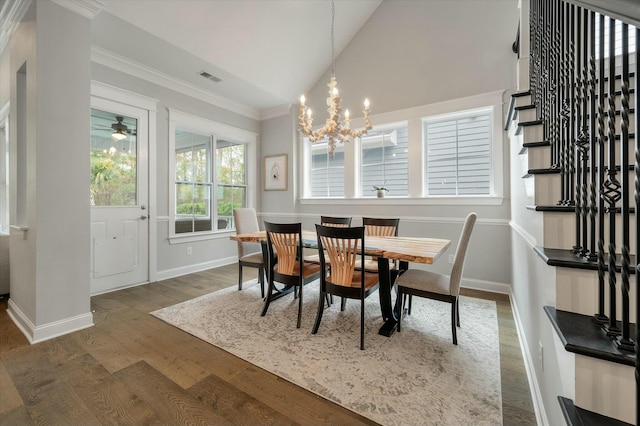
(409,249)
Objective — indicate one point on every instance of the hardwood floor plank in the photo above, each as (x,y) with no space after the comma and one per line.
(109,399)
(168,399)
(9,396)
(47,397)
(133,368)
(236,405)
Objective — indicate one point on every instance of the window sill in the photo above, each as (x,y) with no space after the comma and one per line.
(406,201)
(200,236)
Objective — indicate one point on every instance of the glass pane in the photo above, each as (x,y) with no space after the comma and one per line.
(229,198)
(114,173)
(230,163)
(192,207)
(385,160)
(327,174)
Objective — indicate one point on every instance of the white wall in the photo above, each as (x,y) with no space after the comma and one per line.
(416,53)
(49,263)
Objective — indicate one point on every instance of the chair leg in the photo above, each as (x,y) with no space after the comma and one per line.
(458,311)
(410,300)
(361,323)
(267,300)
(328,300)
(316,325)
(239,276)
(261,279)
(300,306)
(343,303)
(453,322)
(400,299)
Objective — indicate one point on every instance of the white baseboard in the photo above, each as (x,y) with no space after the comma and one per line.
(37,334)
(490,286)
(189,269)
(538,403)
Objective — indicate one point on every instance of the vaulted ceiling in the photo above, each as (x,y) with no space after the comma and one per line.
(265,52)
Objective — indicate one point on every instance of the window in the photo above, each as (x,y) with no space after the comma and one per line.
(231,180)
(193,182)
(327,174)
(384,160)
(442,153)
(212,166)
(458,154)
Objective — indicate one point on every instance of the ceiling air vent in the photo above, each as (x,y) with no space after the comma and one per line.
(210,77)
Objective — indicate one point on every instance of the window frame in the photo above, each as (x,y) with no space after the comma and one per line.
(216,131)
(416,163)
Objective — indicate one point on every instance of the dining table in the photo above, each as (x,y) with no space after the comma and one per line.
(404,250)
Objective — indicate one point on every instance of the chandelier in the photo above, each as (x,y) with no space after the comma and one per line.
(334,129)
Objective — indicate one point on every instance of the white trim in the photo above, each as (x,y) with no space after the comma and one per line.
(205,125)
(10,17)
(276,111)
(36,334)
(87,8)
(530,240)
(407,201)
(112,93)
(490,286)
(189,269)
(534,386)
(120,63)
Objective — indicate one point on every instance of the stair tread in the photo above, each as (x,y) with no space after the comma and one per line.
(576,416)
(568,259)
(580,334)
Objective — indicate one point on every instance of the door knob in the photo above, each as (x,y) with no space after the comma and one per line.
(143,217)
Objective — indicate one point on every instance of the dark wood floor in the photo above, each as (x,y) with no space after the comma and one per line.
(131,368)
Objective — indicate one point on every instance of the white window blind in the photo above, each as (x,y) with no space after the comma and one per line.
(327,174)
(458,154)
(384,160)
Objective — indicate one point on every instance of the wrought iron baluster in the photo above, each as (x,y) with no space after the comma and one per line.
(593,141)
(611,187)
(625,342)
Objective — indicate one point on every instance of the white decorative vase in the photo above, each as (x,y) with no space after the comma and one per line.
(381,193)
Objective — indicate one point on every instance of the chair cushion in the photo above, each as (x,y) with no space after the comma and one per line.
(253,258)
(425,281)
(370,279)
(308,269)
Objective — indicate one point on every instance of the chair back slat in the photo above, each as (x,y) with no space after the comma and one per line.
(343,254)
(286,246)
(339,222)
(380,227)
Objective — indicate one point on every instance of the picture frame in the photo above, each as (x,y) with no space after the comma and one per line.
(275,173)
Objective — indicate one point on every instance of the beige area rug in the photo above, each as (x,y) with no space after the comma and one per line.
(416,377)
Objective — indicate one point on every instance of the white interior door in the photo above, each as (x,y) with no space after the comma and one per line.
(119,196)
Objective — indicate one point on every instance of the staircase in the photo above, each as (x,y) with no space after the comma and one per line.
(574,129)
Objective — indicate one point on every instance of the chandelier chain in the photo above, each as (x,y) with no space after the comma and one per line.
(333,19)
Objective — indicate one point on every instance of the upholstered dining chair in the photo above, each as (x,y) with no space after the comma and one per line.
(432,285)
(249,254)
(343,247)
(284,243)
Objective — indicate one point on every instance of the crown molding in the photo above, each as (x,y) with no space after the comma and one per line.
(86,8)
(109,59)
(10,16)
(276,111)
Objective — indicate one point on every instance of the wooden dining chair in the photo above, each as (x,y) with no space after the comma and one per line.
(343,222)
(378,227)
(343,246)
(249,254)
(284,243)
(432,285)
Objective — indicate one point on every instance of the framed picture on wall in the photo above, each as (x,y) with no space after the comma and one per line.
(275,173)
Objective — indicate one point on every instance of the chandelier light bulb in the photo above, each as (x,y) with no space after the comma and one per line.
(334,130)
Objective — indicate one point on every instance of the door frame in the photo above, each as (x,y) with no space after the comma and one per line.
(101,90)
